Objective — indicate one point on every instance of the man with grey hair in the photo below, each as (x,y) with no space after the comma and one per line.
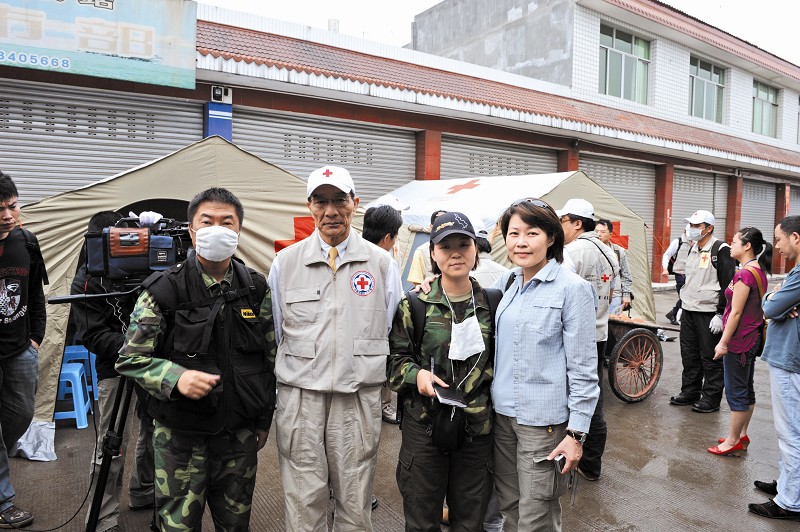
(334,299)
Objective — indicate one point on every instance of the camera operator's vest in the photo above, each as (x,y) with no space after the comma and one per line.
(215,334)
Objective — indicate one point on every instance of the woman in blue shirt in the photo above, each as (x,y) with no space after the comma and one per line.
(545,387)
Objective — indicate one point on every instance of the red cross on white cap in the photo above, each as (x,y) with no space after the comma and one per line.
(330,175)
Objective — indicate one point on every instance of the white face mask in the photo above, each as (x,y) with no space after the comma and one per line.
(215,243)
(694,233)
(466,338)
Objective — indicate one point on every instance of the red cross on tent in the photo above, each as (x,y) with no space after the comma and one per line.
(617,238)
(466,186)
(303,227)
(605,278)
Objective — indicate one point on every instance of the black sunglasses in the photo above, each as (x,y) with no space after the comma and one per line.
(533,201)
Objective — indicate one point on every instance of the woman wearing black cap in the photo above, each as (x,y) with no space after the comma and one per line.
(444,385)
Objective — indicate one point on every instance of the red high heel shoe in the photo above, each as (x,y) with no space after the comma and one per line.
(745,440)
(716,450)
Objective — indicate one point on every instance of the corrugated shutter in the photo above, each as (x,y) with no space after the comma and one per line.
(467,157)
(380,159)
(693,191)
(794,201)
(758,207)
(630,182)
(56,138)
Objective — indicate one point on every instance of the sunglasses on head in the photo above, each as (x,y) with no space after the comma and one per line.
(533,201)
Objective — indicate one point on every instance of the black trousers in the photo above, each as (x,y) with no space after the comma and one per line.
(703,377)
(425,475)
(595,443)
(680,280)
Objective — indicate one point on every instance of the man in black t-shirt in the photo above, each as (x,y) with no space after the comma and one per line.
(22,325)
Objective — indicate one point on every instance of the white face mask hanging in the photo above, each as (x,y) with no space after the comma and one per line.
(466,338)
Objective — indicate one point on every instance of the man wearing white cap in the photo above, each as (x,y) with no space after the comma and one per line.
(596,263)
(709,269)
(334,299)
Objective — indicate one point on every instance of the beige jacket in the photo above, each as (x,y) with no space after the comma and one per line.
(595,262)
(334,335)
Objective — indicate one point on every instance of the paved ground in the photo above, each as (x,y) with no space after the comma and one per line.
(657,475)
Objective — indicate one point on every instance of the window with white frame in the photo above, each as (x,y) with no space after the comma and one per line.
(706,87)
(624,64)
(765,109)
(798,122)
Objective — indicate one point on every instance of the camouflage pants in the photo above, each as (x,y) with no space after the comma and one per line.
(191,469)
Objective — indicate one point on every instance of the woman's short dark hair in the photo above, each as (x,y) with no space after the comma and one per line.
(761,248)
(435,267)
(542,216)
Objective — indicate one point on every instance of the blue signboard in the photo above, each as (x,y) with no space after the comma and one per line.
(147,41)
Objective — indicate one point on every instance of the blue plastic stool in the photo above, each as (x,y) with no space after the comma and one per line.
(78,353)
(73,381)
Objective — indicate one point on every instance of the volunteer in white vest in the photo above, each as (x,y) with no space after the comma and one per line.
(334,299)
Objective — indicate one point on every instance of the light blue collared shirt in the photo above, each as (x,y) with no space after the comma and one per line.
(546,356)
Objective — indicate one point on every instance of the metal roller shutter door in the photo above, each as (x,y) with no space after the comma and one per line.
(631,183)
(379,159)
(794,201)
(56,138)
(758,207)
(694,191)
(466,157)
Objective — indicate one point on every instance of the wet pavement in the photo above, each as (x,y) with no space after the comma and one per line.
(657,474)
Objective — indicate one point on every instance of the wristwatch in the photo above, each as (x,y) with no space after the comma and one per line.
(579,437)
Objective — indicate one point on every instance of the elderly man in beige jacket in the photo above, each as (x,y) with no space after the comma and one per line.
(334,299)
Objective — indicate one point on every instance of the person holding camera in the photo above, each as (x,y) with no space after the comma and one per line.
(445,383)
(201,342)
(22,327)
(100,325)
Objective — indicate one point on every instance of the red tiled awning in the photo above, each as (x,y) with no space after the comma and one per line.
(268,49)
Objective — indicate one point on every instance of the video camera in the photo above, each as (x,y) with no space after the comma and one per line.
(130,254)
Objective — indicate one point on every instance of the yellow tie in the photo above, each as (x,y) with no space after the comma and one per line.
(332,254)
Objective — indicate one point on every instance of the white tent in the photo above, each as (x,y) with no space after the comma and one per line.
(488,197)
(275,216)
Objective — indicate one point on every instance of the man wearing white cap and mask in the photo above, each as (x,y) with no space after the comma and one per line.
(596,263)
(709,269)
(334,299)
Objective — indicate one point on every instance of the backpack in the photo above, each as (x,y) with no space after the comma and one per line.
(418,315)
(35,252)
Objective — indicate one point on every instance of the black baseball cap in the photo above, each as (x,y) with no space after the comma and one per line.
(451,223)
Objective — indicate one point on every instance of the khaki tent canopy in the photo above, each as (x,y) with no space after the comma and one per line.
(274,206)
(488,197)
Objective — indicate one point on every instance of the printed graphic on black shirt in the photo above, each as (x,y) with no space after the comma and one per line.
(10,296)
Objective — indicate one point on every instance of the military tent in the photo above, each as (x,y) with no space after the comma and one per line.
(275,216)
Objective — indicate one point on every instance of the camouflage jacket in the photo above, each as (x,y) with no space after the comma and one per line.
(402,365)
(159,376)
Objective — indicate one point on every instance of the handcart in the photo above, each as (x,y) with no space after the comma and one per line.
(636,359)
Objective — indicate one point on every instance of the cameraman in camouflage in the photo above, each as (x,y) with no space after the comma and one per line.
(201,341)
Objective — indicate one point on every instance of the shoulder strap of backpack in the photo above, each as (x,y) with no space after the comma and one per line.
(35,252)
(715,247)
(417,309)
(493,297)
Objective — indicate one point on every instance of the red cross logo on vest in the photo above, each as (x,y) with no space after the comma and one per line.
(327,172)
(605,278)
(362,283)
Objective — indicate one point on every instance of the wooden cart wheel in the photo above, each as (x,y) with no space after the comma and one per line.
(635,365)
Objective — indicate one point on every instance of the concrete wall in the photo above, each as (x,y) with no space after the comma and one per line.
(532,38)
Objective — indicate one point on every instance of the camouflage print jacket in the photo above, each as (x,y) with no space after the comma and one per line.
(159,376)
(402,367)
